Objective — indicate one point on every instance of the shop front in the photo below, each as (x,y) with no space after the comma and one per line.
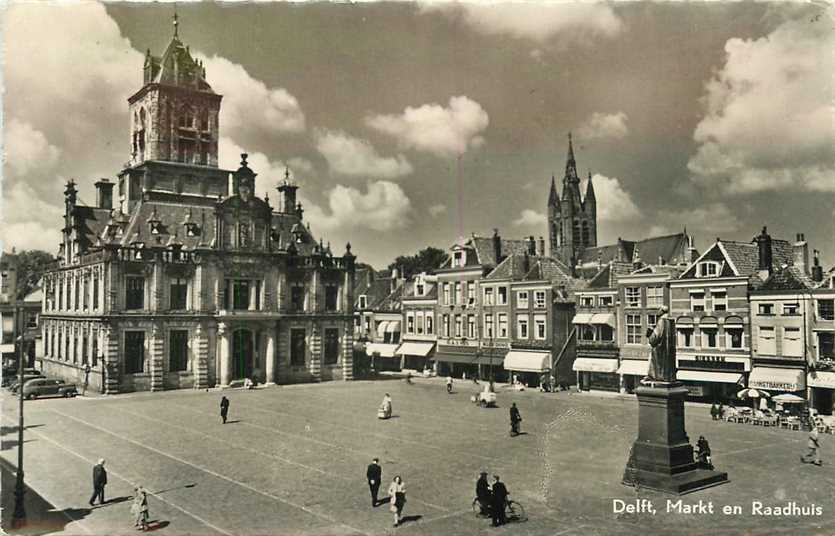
(529,366)
(383,356)
(778,380)
(416,354)
(712,377)
(821,388)
(631,372)
(457,361)
(595,373)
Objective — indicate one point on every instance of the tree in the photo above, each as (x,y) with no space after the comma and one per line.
(30,267)
(426,260)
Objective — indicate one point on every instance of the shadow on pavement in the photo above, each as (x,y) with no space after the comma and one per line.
(41,515)
(155,524)
(406,519)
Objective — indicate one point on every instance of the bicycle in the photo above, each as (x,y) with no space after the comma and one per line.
(514,511)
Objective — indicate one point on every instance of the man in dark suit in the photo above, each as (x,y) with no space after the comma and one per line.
(224,408)
(374,473)
(515,419)
(499,500)
(99,481)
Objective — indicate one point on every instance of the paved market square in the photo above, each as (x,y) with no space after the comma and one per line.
(292,460)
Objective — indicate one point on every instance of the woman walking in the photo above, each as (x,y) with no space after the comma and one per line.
(397,492)
(139,509)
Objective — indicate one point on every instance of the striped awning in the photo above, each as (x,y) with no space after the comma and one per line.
(582,318)
(634,367)
(527,361)
(393,326)
(590,364)
(381,349)
(603,318)
(710,377)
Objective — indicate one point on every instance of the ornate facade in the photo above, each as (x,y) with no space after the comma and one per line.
(191,280)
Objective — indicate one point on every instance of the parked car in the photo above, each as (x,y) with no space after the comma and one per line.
(10,374)
(38,387)
(26,377)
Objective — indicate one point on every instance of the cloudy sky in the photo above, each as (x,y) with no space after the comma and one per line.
(409,125)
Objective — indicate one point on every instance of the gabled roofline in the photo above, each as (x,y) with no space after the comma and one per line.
(728,258)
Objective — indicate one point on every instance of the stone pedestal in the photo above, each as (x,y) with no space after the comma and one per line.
(662,457)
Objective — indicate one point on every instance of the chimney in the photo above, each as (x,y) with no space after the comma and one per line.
(817,270)
(104,194)
(800,249)
(541,247)
(763,241)
(394,278)
(531,246)
(497,246)
(692,254)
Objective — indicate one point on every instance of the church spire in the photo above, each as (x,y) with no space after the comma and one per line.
(589,191)
(553,198)
(571,164)
(176,22)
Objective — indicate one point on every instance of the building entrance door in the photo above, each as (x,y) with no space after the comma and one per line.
(243,354)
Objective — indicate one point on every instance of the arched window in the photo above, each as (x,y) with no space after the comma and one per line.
(585,233)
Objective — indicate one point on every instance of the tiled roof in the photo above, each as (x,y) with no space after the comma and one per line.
(430,292)
(601,280)
(672,249)
(486,252)
(512,267)
(551,269)
(92,221)
(745,255)
(787,278)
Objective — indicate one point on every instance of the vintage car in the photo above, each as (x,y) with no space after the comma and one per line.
(10,375)
(39,387)
(26,377)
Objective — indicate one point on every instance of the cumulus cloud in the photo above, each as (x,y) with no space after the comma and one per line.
(383,206)
(714,217)
(600,125)
(769,112)
(436,210)
(530,218)
(27,150)
(355,157)
(613,202)
(537,21)
(249,106)
(432,128)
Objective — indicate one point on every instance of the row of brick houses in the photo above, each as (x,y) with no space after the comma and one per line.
(191,280)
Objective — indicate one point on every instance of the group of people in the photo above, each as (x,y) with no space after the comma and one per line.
(492,500)
(396,491)
(139,507)
(717,411)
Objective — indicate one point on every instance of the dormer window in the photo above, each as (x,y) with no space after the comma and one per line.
(708,269)
(155,226)
(192,229)
(419,289)
(459,258)
(363,301)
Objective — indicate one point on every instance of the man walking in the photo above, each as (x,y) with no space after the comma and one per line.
(449,384)
(499,500)
(374,473)
(812,456)
(482,493)
(515,419)
(224,408)
(99,482)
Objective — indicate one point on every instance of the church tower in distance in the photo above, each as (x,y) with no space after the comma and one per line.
(572,218)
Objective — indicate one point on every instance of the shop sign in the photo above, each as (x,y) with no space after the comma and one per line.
(696,390)
(774,386)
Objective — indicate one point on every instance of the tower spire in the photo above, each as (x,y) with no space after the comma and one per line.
(553,198)
(589,190)
(176,22)
(571,164)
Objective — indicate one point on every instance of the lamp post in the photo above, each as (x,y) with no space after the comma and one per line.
(19,516)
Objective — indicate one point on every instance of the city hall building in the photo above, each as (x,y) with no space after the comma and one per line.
(190,280)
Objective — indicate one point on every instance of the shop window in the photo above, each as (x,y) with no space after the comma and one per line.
(298,347)
(607,334)
(179,294)
(134,293)
(502,325)
(177,350)
(134,352)
(792,342)
(331,346)
(633,296)
(765,341)
(522,327)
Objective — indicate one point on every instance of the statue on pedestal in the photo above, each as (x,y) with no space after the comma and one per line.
(662,339)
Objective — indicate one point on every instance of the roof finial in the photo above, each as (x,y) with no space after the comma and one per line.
(286,174)
(176,22)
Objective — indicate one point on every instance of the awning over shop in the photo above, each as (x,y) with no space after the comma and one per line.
(393,326)
(733,321)
(582,318)
(489,361)
(523,361)
(684,322)
(420,349)
(447,357)
(590,364)
(777,379)
(381,328)
(603,318)
(6,348)
(704,376)
(634,367)
(824,380)
(384,350)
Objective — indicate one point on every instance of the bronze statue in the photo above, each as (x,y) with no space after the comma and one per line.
(662,339)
